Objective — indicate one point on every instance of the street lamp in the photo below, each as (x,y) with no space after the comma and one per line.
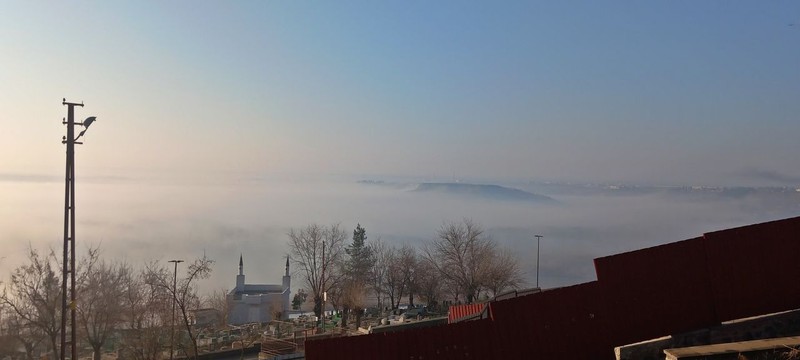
(68,266)
(174,299)
(538,238)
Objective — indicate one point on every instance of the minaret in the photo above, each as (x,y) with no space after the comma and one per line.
(240,277)
(286,278)
(286,291)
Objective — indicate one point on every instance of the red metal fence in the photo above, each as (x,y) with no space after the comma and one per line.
(639,295)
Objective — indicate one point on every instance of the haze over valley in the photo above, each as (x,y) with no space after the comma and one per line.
(141,219)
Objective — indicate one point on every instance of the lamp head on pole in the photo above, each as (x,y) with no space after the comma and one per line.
(89,120)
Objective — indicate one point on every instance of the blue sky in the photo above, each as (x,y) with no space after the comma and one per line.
(196,99)
(665,92)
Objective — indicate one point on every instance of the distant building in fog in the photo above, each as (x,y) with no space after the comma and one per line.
(256,303)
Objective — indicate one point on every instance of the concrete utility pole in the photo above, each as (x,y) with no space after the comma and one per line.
(322,288)
(538,238)
(68,269)
(174,299)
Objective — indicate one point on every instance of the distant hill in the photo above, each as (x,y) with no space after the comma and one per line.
(494,192)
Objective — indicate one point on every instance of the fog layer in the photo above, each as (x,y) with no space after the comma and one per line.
(139,220)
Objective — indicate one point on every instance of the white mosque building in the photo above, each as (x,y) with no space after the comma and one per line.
(256,303)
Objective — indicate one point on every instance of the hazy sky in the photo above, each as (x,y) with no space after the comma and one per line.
(671,91)
(202,94)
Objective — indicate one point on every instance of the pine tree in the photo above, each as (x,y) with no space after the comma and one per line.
(360,255)
(299,299)
(357,273)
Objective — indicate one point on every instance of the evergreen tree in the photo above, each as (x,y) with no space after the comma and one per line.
(299,299)
(356,270)
(360,256)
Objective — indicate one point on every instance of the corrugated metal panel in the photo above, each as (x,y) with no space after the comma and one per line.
(457,312)
(755,269)
(543,325)
(658,291)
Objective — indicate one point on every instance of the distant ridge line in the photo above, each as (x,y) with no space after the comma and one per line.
(491,191)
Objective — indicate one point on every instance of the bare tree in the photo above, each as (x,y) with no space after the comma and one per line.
(407,265)
(336,289)
(19,332)
(184,294)
(400,275)
(451,288)
(33,298)
(462,254)
(146,313)
(12,336)
(320,274)
(470,262)
(381,254)
(504,272)
(352,298)
(219,300)
(100,306)
(395,281)
(429,282)
(249,336)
